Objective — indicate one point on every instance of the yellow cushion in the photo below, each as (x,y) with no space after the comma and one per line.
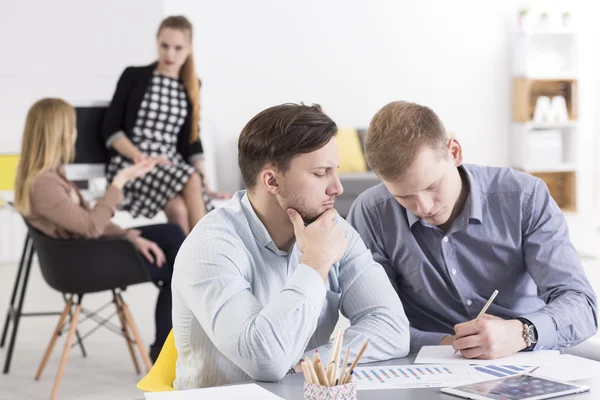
(8,171)
(160,378)
(352,158)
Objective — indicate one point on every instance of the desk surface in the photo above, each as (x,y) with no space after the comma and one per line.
(290,388)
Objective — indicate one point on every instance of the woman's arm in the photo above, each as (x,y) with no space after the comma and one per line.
(113,127)
(126,148)
(52,202)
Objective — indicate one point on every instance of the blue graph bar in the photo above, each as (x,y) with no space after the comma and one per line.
(377,376)
(490,372)
(515,368)
(503,370)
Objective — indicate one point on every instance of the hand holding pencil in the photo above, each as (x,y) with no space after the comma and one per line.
(489,337)
(481,313)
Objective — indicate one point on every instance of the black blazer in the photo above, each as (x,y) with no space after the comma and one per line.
(122,111)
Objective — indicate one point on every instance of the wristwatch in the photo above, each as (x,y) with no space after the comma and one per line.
(529,334)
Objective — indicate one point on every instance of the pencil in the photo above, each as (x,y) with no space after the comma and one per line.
(358,356)
(321,373)
(484,309)
(308,376)
(344,365)
(487,305)
(329,372)
(336,355)
(333,347)
(311,371)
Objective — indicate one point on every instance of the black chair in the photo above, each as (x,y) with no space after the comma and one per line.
(17,299)
(80,266)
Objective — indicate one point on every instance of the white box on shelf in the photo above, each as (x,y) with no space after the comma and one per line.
(545,148)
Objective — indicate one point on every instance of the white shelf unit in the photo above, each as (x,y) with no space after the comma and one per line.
(546,55)
(545,64)
(529,157)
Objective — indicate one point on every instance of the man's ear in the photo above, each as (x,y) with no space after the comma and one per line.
(268,179)
(455,151)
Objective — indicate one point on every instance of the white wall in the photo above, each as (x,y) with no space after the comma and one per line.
(355,56)
(64,48)
(70,49)
(350,56)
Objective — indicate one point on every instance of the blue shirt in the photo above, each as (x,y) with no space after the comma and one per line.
(510,236)
(244,309)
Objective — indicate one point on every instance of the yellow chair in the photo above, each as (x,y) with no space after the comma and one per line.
(352,158)
(160,378)
(8,171)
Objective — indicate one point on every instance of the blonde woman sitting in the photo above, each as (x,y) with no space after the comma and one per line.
(53,205)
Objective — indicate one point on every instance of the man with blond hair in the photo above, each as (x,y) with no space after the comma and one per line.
(449,234)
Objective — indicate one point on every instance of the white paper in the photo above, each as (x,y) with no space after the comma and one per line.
(571,368)
(246,392)
(414,376)
(445,355)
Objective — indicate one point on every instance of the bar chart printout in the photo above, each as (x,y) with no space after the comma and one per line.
(501,371)
(415,376)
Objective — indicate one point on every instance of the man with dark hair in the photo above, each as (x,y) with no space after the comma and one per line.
(450,234)
(255,288)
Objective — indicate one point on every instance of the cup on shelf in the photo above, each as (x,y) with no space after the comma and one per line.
(559,111)
(542,109)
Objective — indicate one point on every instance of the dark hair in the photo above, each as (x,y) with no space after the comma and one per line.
(278,134)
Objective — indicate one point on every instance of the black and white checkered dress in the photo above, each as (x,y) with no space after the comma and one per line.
(159,120)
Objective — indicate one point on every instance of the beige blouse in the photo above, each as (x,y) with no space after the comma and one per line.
(59,210)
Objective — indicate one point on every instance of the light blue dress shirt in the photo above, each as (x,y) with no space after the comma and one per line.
(243,309)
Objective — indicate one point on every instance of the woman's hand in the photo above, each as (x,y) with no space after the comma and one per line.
(132,172)
(141,157)
(150,250)
(162,160)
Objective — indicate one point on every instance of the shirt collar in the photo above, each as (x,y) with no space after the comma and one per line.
(473,206)
(257,227)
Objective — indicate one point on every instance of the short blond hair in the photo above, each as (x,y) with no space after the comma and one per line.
(396,135)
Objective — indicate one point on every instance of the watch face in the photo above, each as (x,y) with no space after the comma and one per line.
(531,334)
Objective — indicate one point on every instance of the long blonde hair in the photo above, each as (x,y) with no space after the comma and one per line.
(47,143)
(188,71)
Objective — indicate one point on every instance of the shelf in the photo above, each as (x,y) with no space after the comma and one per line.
(532,169)
(567,76)
(532,125)
(547,32)
(526,92)
(562,188)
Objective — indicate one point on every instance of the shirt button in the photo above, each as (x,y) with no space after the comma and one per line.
(445,239)
(469,302)
(454,272)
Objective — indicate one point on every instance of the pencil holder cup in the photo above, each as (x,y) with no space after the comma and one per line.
(340,392)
